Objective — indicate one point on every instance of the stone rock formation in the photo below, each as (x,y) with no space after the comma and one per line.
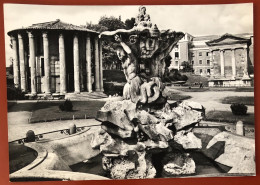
(131,137)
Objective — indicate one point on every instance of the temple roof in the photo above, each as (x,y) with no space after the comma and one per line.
(213,37)
(227,39)
(54,25)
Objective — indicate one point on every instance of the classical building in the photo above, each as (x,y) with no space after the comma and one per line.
(227,60)
(56,57)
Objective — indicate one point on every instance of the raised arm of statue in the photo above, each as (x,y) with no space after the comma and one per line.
(125,47)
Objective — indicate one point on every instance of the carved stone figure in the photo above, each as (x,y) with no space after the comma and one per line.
(148,46)
(142,18)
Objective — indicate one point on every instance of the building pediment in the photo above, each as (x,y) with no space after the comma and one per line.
(227,39)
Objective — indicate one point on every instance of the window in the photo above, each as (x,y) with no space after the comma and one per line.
(207,54)
(208,62)
(176,63)
(208,71)
(176,55)
(200,61)
(192,55)
(42,67)
(177,46)
(192,62)
(200,53)
(200,71)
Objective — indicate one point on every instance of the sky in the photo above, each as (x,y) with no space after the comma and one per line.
(196,20)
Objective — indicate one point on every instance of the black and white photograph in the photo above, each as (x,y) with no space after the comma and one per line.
(101,92)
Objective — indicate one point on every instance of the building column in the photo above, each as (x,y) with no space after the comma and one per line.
(63,86)
(32,62)
(222,62)
(46,62)
(211,63)
(22,63)
(101,66)
(245,62)
(15,62)
(76,63)
(97,72)
(88,66)
(233,60)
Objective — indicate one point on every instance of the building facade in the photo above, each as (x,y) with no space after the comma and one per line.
(227,60)
(56,57)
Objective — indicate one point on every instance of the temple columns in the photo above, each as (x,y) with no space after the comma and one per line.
(88,65)
(101,66)
(76,63)
(97,72)
(46,63)
(246,62)
(22,63)
(222,62)
(32,62)
(63,86)
(15,62)
(233,60)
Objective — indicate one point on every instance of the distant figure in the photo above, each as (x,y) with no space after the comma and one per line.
(201,85)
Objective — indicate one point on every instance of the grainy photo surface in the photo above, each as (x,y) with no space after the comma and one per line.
(129,92)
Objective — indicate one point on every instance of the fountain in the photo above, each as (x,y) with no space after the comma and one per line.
(144,124)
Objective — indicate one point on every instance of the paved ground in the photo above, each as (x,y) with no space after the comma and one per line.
(19,114)
(211,100)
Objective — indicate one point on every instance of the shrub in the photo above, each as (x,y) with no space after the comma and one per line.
(238,108)
(15,94)
(66,106)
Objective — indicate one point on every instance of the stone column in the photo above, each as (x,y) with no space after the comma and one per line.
(101,66)
(63,86)
(76,63)
(22,63)
(46,62)
(211,63)
(88,66)
(233,60)
(15,62)
(222,62)
(32,62)
(97,72)
(245,62)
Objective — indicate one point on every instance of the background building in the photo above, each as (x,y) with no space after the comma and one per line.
(228,59)
(56,57)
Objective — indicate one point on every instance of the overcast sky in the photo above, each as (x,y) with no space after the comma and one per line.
(194,19)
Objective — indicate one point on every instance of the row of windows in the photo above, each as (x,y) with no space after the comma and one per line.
(200,54)
(192,62)
(200,62)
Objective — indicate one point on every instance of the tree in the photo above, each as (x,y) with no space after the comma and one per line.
(112,23)
(108,24)
(186,67)
(129,23)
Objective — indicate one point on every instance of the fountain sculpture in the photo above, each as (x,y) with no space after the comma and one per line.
(144,125)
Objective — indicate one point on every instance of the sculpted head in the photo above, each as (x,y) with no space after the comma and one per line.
(142,10)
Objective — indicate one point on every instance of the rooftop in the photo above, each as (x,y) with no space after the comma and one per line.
(54,25)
